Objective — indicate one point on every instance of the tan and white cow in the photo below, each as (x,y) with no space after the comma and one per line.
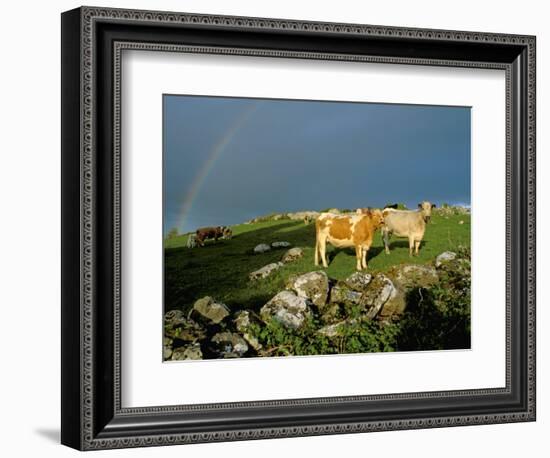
(342,231)
(406,223)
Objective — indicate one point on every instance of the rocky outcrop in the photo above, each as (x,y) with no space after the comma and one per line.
(287,309)
(265,271)
(317,312)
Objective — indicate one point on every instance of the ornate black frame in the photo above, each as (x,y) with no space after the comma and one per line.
(92,42)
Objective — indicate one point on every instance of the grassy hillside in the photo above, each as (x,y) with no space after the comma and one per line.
(220,269)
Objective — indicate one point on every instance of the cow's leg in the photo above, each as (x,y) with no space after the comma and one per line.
(317,250)
(323,251)
(386,238)
(416,246)
(359,255)
(411,245)
(364,259)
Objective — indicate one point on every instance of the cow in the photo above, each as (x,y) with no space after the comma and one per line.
(204,233)
(353,230)
(192,241)
(406,223)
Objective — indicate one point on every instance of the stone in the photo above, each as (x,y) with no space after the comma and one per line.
(174,318)
(265,271)
(167,353)
(341,294)
(261,248)
(358,281)
(331,313)
(380,291)
(336,329)
(408,276)
(311,215)
(395,306)
(243,322)
(187,331)
(286,308)
(228,345)
(192,351)
(280,245)
(211,310)
(313,286)
(292,255)
(444,257)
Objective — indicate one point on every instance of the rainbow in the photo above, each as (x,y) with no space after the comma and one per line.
(209,164)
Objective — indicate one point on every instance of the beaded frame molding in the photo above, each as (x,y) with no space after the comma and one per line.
(92,42)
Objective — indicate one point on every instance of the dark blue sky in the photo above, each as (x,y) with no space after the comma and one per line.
(227,160)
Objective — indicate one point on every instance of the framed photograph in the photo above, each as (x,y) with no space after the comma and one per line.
(276,228)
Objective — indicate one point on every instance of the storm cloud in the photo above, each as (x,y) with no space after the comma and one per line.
(227,160)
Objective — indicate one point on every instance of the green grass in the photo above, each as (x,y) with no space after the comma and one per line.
(221,269)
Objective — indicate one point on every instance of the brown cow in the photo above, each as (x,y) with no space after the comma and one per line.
(205,233)
(342,231)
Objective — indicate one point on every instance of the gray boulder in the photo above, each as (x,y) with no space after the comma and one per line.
(292,255)
(336,329)
(188,331)
(313,286)
(331,313)
(358,281)
(243,322)
(261,248)
(174,318)
(341,293)
(210,310)
(286,308)
(381,290)
(444,257)
(280,245)
(229,345)
(192,351)
(414,275)
(167,353)
(265,271)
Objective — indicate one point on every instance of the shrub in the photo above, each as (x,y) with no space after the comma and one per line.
(173,233)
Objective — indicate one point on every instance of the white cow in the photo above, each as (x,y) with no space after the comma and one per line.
(406,223)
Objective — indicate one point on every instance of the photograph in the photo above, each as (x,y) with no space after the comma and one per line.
(314,227)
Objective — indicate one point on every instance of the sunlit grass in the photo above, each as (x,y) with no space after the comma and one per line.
(221,269)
